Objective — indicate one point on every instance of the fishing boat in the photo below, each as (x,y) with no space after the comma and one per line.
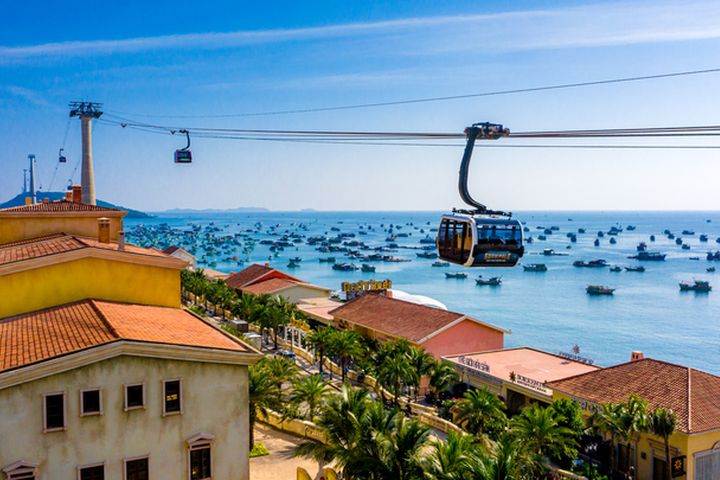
(710,269)
(713,257)
(635,269)
(685,246)
(430,255)
(678,241)
(427,239)
(688,232)
(326,260)
(441,264)
(596,242)
(630,228)
(616,268)
(581,230)
(598,263)
(649,256)
(492,281)
(703,237)
(613,241)
(542,237)
(641,247)
(367,268)
(344,267)
(599,290)
(535,267)
(292,264)
(697,286)
(296,260)
(456,275)
(652,238)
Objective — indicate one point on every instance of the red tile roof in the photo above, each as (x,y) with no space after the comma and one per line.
(395,317)
(45,334)
(61,243)
(255,273)
(692,394)
(58,206)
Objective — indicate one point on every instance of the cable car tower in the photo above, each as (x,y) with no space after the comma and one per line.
(86,111)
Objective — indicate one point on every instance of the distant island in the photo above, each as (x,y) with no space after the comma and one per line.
(19,200)
(216,210)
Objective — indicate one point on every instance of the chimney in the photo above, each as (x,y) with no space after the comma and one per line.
(46,200)
(104,230)
(77,194)
(635,356)
(121,240)
(267,264)
(68,196)
(28,200)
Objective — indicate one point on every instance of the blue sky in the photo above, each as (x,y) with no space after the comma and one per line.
(227,57)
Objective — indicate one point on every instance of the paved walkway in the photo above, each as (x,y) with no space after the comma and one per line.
(280,464)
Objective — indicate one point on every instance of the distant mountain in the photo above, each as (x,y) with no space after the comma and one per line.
(19,200)
(216,210)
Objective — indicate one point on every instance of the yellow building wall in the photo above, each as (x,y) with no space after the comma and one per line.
(295,294)
(45,287)
(214,400)
(700,443)
(14,229)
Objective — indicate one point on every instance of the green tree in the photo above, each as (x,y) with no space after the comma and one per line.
(442,376)
(311,391)
(321,341)
(607,421)
(393,372)
(420,362)
(568,414)
(346,346)
(452,459)
(538,430)
(280,370)
(243,307)
(504,461)
(663,423)
(481,412)
(634,420)
(261,396)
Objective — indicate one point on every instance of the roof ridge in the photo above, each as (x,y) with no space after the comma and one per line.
(103,317)
(611,367)
(41,238)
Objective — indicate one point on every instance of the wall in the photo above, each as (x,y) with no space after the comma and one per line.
(295,294)
(220,410)
(466,336)
(700,443)
(17,228)
(40,288)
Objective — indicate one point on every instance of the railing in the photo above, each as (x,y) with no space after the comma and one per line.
(302,428)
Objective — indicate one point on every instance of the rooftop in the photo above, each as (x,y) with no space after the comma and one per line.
(399,318)
(528,362)
(319,308)
(63,243)
(45,334)
(253,274)
(58,206)
(692,394)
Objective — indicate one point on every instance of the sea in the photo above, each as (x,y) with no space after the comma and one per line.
(546,310)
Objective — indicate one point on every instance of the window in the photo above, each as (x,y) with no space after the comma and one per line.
(707,464)
(134,396)
(200,463)
(93,472)
(54,407)
(172,401)
(90,402)
(137,469)
(21,470)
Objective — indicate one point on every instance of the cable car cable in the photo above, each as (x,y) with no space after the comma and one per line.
(436,99)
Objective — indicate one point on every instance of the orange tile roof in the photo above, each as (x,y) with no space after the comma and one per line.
(269,286)
(58,206)
(61,243)
(692,394)
(255,273)
(395,317)
(45,334)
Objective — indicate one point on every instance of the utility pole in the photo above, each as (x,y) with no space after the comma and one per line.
(86,111)
(25,189)
(33,187)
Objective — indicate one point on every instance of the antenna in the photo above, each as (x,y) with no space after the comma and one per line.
(33,188)
(86,111)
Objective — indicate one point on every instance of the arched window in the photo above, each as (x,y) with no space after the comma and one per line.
(200,456)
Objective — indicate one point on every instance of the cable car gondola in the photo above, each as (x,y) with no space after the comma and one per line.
(184,155)
(479,237)
(61,156)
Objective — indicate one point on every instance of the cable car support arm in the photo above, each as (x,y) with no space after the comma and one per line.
(483,131)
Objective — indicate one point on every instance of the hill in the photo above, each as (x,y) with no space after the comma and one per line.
(19,200)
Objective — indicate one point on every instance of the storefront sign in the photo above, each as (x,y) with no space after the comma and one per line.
(355,289)
(576,358)
(529,383)
(678,466)
(476,364)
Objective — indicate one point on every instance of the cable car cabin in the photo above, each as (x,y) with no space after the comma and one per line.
(480,240)
(183,156)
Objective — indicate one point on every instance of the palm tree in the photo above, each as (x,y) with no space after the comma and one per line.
(451,459)
(634,420)
(261,395)
(279,370)
(420,362)
(442,376)
(321,340)
(538,431)
(663,423)
(395,454)
(345,345)
(244,306)
(607,421)
(310,390)
(481,412)
(568,414)
(394,370)
(504,461)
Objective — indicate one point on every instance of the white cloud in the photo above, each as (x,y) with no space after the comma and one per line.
(583,26)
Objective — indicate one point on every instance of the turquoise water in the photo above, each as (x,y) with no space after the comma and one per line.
(547,310)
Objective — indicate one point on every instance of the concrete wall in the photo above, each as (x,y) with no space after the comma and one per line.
(466,336)
(295,294)
(88,278)
(14,229)
(214,401)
